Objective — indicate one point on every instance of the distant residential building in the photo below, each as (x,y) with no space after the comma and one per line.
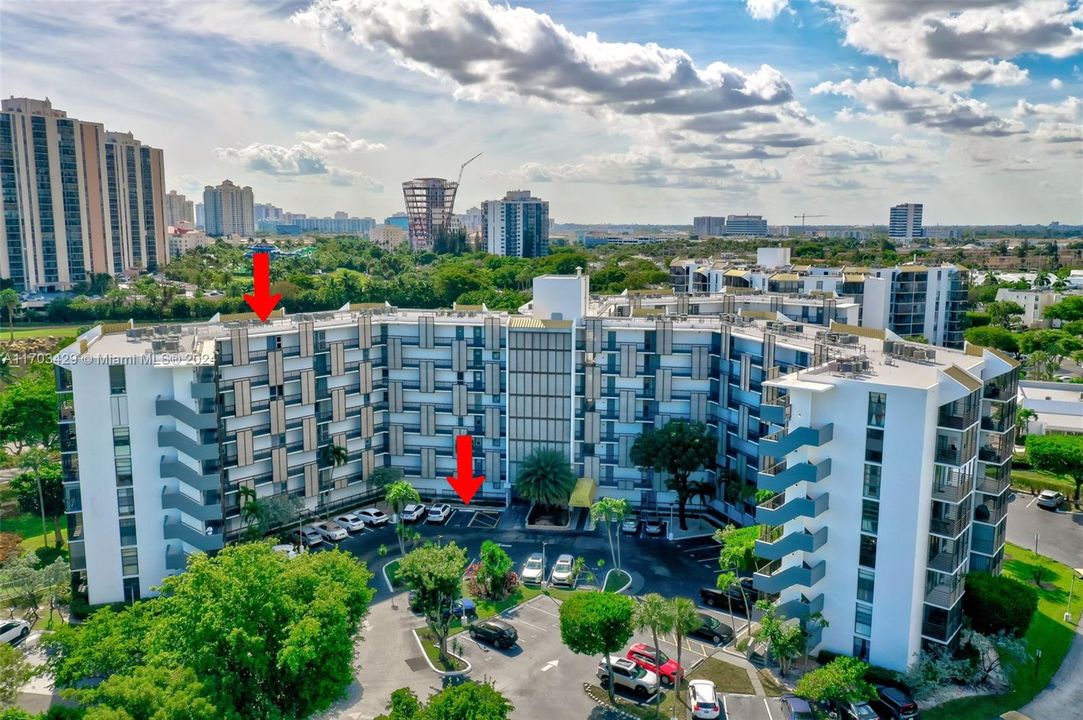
(594,239)
(472,220)
(430,205)
(230,210)
(341,215)
(904,222)
(1058,406)
(266,211)
(178,209)
(201,219)
(939,232)
(517,225)
(745,225)
(399,220)
(183,238)
(77,199)
(387,237)
(1033,302)
(709,225)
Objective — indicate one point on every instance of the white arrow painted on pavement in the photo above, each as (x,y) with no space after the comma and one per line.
(550,665)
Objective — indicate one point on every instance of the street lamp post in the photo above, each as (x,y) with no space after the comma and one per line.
(544,565)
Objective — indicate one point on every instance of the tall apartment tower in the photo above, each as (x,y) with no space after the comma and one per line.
(229,210)
(709,226)
(201,218)
(430,205)
(77,199)
(518,225)
(905,222)
(178,209)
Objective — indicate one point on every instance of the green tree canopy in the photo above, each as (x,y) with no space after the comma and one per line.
(248,633)
(994,337)
(679,449)
(468,701)
(1058,454)
(545,478)
(40,467)
(28,410)
(434,573)
(997,603)
(1055,342)
(596,624)
(1068,309)
(841,679)
(15,671)
(398,495)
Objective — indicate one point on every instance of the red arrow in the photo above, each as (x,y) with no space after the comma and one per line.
(466,485)
(261,300)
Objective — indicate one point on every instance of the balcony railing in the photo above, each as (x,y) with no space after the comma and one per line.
(949,527)
(177,469)
(774,578)
(779,477)
(176,500)
(947,562)
(778,510)
(991,512)
(775,544)
(782,443)
(945,595)
(994,483)
(953,488)
(802,607)
(175,529)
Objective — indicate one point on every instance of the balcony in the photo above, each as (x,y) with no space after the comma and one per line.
(945,594)
(997,452)
(949,527)
(995,482)
(176,559)
(802,607)
(177,469)
(778,510)
(953,488)
(941,632)
(775,544)
(186,445)
(777,413)
(779,477)
(774,578)
(175,529)
(990,512)
(782,443)
(176,500)
(947,562)
(188,416)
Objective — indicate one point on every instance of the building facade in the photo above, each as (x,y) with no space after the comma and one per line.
(430,206)
(745,225)
(229,210)
(178,209)
(64,215)
(517,225)
(709,226)
(904,222)
(388,237)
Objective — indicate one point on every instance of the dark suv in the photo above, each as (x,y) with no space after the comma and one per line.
(495,632)
(894,703)
(722,600)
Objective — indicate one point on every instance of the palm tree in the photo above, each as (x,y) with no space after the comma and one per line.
(655,614)
(685,620)
(727,582)
(546,479)
(335,455)
(400,494)
(609,511)
(9,298)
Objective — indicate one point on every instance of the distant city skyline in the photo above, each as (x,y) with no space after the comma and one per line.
(769,107)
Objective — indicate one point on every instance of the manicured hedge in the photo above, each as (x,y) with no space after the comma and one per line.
(995,603)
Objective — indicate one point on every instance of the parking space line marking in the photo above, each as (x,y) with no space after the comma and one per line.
(725,710)
(524,622)
(768,706)
(547,612)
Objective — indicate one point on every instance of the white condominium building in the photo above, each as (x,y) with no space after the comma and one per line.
(517,226)
(229,210)
(904,222)
(183,417)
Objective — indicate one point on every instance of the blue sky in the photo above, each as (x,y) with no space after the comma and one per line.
(613,110)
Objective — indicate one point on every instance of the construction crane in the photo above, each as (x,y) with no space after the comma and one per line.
(463,167)
(806,215)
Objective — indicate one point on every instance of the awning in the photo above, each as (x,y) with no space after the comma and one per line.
(583,495)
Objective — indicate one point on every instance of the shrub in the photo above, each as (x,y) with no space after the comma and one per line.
(995,604)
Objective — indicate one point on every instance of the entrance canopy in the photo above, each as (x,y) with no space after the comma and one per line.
(583,495)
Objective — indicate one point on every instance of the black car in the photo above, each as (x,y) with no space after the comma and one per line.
(895,704)
(711,630)
(854,711)
(796,708)
(495,632)
(714,597)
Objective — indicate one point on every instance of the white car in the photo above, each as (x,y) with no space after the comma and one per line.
(628,675)
(372,516)
(1050,499)
(534,569)
(288,550)
(439,513)
(331,531)
(413,512)
(351,522)
(703,699)
(563,571)
(307,536)
(12,631)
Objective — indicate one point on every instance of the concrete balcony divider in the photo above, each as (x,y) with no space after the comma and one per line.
(773,580)
(188,416)
(791,542)
(175,529)
(175,559)
(203,390)
(176,500)
(177,469)
(782,443)
(775,413)
(779,511)
(186,445)
(777,480)
(802,607)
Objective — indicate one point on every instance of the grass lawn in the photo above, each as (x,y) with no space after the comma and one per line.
(392,570)
(28,525)
(726,677)
(1047,632)
(428,642)
(771,686)
(487,608)
(616,580)
(41,331)
(1027,479)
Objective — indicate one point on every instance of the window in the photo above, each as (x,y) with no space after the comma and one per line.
(863,620)
(127,532)
(866,582)
(874,445)
(877,408)
(118,409)
(129,561)
(871,487)
(117,385)
(124,471)
(867,554)
(870,516)
(126,501)
(131,589)
(861,648)
(122,442)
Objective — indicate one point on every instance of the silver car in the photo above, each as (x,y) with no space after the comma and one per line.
(563,571)
(1050,499)
(534,569)
(331,531)
(628,675)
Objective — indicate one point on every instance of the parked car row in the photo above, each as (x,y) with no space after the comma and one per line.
(651,525)
(340,528)
(738,598)
(889,704)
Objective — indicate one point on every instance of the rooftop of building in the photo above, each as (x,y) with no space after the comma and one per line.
(1052,391)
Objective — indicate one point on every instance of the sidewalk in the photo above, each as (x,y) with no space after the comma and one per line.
(1066,689)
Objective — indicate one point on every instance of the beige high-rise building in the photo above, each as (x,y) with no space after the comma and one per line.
(387,237)
(74,196)
(178,209)
(229,210)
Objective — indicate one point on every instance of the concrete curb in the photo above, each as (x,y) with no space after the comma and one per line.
(387,580)
(441,673)
(604,702)
(605,580)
